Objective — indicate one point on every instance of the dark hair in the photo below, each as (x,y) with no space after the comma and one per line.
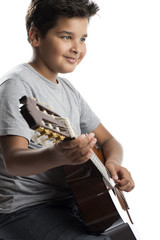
(43,14)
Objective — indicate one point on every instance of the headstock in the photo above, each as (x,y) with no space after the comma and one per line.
(44,121)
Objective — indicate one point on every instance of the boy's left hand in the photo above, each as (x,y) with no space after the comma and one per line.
(121,176)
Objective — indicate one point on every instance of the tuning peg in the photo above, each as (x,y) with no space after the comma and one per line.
(44,111)
(41,130)
(58,139)
(35,138)
(43,141)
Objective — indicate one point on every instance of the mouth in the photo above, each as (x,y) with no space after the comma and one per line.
(71,60)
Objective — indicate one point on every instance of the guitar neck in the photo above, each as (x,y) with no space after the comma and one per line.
(97,162)
(103,170)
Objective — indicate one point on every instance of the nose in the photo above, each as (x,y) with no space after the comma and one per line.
(76,48)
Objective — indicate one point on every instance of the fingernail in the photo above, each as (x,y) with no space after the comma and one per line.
(92,135)
(94,140)
(115,177)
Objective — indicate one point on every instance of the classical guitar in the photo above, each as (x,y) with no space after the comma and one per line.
(100,202)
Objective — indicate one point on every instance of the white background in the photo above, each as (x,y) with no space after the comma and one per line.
(120,79)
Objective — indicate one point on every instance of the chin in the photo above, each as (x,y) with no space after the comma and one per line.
(67,70)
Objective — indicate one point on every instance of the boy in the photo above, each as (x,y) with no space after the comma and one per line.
(35,201)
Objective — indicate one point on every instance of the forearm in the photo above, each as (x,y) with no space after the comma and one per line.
(25,162)
(113,151)
(21,161)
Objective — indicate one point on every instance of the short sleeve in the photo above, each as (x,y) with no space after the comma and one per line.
(88,119)
(12,122)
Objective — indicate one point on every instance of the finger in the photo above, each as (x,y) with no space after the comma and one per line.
(84,153)
(90,136)
(127,188)
(124,177)
(72,143)
(123,183)
(83,158)
(113,172)
(78,150)
(80,141)
(85,144)
(85,140)
(126,185)
(88,148)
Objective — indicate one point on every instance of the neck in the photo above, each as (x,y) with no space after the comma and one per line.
(41,69)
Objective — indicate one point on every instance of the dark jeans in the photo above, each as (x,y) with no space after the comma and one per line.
(45,222)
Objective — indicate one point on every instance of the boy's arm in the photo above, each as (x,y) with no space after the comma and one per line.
(19,160)
(22,161)
(113,153)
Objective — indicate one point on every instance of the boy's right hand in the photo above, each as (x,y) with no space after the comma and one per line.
(76,151)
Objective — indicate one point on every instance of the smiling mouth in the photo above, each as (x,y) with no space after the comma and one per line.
(71,60)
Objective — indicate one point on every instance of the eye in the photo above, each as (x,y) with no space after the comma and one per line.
(82,39)
(66,37)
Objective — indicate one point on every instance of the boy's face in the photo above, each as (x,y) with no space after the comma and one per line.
(63,47)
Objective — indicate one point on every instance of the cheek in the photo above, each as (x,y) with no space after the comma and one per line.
(83,53)
(58,52)
(52,48)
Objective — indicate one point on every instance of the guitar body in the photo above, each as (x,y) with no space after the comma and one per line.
(92,197)
(95,202)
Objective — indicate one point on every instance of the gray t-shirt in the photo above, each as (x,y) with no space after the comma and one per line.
(65,100)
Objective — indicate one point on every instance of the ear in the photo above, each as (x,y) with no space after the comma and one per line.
(34,36)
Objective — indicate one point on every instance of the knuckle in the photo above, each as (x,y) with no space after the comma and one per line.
(72,144)
(89,154)
(79,141)
(92,143)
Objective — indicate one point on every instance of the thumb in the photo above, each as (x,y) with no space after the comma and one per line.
(113,172)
